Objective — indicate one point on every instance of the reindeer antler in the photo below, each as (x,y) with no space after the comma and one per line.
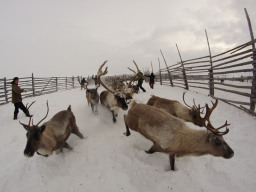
(29,105)
(131,70)
(136,65)
(45,115)
(100,73)
(209,125)
(194,106)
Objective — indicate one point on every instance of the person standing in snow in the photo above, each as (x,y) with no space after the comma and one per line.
(83,83)
(17,99)
(151,80)
(140,78)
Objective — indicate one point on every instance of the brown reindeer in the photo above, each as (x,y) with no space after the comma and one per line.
(175,108)
(171,135)
(52,135)
(112,99)
(92,96)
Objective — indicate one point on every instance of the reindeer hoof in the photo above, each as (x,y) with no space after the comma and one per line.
(127,134)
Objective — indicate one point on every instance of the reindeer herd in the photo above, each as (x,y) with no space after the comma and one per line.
(160,120)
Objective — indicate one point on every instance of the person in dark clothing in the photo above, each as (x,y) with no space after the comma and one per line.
(140,79)
(151,80)
(83,83)
(17,99)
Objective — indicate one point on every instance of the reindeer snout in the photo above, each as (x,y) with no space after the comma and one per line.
(28,154)
(229,154)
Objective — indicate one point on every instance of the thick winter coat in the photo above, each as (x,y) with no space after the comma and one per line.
(16,93)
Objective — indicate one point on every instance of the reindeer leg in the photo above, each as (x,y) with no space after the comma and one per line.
(75,130)
(113,114)
(172,161)
(127,128)
(66,145)
(92,106)
(96,110)
(154,148)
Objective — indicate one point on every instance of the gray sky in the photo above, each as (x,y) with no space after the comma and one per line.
(65,38)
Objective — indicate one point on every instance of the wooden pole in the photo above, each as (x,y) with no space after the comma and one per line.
(170,77)
(66,83)
(56,84)
(160,72)
(33,85)
(183,70)
(211,80)
(5,90)
(152,67)
(253,89)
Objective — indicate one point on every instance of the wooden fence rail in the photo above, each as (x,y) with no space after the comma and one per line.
(212,72)
(36,86)
(209,73)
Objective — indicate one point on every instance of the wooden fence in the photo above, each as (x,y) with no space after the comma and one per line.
(36,86)
(213,72)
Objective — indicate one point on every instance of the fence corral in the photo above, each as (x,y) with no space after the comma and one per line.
(36,86)
(232,72)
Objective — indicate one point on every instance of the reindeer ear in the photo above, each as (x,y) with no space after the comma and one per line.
(42,128)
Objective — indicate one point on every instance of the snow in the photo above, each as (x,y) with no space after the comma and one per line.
(107,160)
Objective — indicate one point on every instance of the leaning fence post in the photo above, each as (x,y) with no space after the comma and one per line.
(170,77)
(160,72)
(5,91)
(253,88)
(33,85)
(183,70)
(211,79)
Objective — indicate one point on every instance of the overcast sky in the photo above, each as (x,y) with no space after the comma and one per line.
(73,37)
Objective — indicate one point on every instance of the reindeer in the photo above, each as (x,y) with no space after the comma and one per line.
(171,135)
(92,96)
(175,108)
(52,135)
(111,99)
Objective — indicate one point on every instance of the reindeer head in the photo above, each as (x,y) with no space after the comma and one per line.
(34,134)
(119,95)
(219,146)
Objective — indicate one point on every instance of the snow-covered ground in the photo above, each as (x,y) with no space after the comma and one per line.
(109,161)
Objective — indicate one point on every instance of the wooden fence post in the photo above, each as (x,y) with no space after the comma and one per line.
(56,84)
(170,77)
(211,78)
(253,89)
(160,72)
(73,82)
(66,83)
(183,70)
(33,85)
(5,90)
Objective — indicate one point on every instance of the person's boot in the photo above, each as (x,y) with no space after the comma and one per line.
(15,116)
